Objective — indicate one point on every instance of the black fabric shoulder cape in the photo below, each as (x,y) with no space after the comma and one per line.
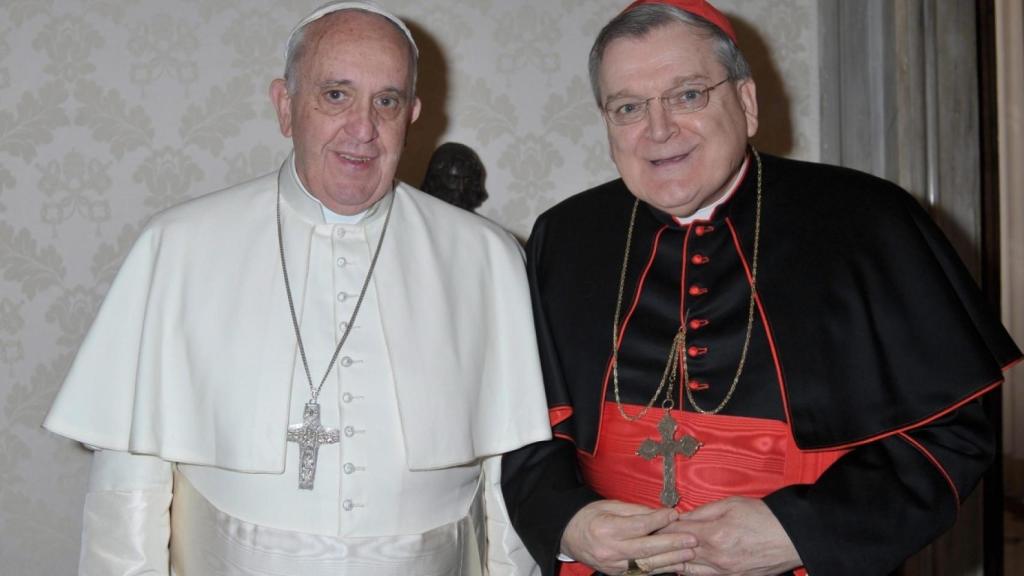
(877,324)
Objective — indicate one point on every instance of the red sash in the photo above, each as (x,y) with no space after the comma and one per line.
(738,457)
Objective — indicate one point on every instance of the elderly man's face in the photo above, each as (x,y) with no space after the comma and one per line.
(342,118)
(676,162)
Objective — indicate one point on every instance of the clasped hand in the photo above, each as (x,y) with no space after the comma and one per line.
(734,536)
(606,534)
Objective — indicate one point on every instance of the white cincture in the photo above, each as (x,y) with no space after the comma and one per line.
(209,541)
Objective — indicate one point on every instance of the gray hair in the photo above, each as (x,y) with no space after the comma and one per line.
(639,21)
(297,45)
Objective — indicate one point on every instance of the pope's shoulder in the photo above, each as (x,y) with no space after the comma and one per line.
(467,226)
(238,205)
(221,206)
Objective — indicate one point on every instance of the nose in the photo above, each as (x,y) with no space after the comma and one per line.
(660,126)
(361,122)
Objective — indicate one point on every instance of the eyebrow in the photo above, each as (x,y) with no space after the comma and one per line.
(676,83)
(329,84)
(334,84)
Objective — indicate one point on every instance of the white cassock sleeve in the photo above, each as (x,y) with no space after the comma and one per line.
(126,526)
(506,554)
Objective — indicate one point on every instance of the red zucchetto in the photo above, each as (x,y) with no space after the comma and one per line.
(700,8)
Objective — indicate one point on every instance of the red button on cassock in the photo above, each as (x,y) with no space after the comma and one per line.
(697,290)
(699,259)
(694,351)
(697,385)
(697,323)
(704,229)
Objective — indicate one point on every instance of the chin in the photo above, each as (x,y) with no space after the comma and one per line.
(668,202)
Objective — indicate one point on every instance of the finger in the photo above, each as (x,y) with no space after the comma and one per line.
(639,525)
(629,509)
(682,526)
(660,544)
(668,562)
(707,512)
(689,569)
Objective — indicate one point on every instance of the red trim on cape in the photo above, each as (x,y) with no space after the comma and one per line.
(935,462)
(785,395)
(913,425)
(564,436)
(625,323)
(683,265)
(764,322)
(1012,363)
(559,414)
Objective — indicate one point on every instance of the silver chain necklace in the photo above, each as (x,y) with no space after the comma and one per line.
(311,433)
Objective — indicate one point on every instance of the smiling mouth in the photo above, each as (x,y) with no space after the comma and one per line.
(354,158)
(670,160)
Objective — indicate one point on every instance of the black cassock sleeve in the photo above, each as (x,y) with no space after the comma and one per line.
(543,491)
(884,501)
(541,482)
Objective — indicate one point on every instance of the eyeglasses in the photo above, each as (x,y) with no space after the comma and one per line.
(682,100)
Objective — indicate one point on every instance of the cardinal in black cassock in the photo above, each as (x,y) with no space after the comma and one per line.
(808,338)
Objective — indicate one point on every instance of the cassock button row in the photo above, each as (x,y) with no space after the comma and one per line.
(697,290)
(698,385)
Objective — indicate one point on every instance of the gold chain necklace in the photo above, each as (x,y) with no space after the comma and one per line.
(670,373)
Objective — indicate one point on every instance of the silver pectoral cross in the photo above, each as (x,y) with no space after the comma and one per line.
(309,436)
(667,449)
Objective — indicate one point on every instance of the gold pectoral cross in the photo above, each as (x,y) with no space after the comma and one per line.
(667,449)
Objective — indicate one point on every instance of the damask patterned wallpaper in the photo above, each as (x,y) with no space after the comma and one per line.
(112,110)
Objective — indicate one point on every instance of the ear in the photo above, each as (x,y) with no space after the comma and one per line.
(415,111)
(282,102)
(748,100)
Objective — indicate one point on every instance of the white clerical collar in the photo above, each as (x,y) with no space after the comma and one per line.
(330,216)
(706,212)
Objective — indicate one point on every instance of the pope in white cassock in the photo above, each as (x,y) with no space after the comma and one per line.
(314,372)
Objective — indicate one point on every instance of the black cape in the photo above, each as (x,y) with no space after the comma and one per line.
(872,312)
